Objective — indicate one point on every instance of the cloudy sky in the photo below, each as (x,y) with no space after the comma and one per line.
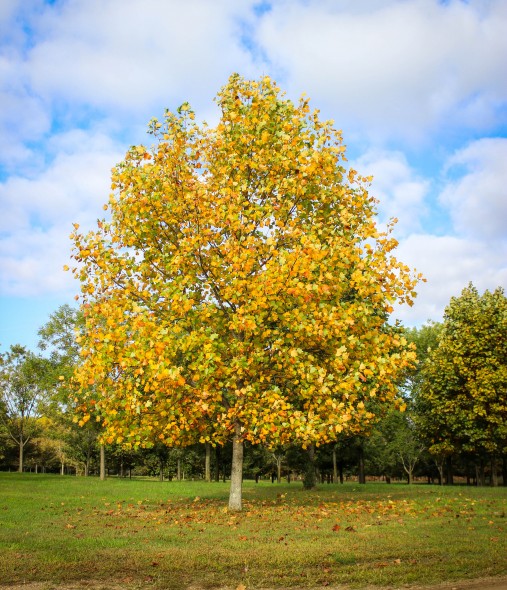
(417,86)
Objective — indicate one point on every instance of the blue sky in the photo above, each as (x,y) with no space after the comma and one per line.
(417,86)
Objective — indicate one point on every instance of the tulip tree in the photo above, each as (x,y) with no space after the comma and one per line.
(240,288)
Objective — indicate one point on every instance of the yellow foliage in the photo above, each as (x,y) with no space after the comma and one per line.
(233,285)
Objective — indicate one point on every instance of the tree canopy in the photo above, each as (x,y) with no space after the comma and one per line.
(23,390)
(462,399)
(241,287)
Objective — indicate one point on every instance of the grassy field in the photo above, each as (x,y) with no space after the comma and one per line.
(179,534)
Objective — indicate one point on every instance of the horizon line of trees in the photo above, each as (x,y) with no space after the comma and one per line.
(455,422)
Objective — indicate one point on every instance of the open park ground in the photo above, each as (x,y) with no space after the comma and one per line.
(83,533)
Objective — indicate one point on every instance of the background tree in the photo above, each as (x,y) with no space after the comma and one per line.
(23,389)
(241,289)
(463,397)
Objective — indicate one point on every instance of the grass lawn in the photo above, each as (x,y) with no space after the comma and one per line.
(179,534)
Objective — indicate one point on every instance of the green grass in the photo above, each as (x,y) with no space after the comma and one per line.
(177,534)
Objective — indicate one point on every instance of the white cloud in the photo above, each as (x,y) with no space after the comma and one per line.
(398,68)
(398,188)
(38,212)
(33,264)
(448,264)
(477,200)
(130,55)
(386,69)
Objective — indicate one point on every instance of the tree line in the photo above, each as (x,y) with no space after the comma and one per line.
(454,423)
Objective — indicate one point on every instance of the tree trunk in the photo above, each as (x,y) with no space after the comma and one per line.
(449,478)
(361,474)
(178,469)
(62,468)
(161,475)
(335,466)
(235,493)
(494,475)
(21,449)
(310,480)
(217,463)
(279,470)
(479,470)
(102,462)
(207,462)
(440,468)
(504,470)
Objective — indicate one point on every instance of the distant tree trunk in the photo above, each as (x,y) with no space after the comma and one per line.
(207,462)
(178,469)
(361,474)
(278,460)
(102,462)
(161,475)
(449,478)
(335,466)
(494,475)
(504,470)
(479,470)
(439,463)
(21,449)
(309,479)
(62,468)
(236,470)
(217,463)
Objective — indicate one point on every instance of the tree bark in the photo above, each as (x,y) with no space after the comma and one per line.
(207,462)
(102,462)
(235,493)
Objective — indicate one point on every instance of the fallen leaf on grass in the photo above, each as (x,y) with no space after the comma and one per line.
(351,529)
(241,587)
(336,527)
